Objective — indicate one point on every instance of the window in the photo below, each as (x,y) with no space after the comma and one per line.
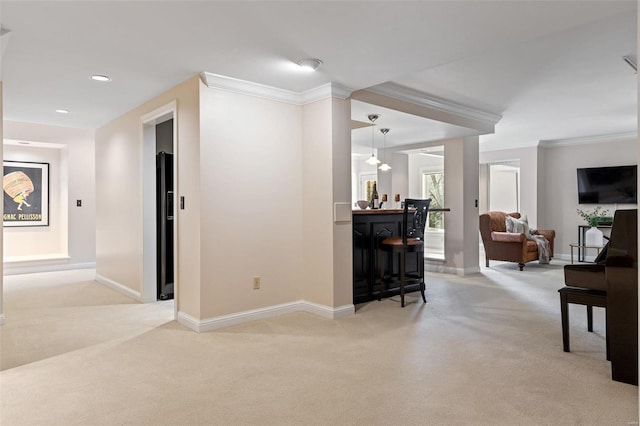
(433,187)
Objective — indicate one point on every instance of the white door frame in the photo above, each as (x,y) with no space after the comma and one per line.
(149,231)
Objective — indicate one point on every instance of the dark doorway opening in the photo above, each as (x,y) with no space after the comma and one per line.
(164,209)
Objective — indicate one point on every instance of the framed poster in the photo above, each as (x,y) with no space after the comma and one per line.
(26,194)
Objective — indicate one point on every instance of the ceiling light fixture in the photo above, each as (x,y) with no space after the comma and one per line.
(98,77)
(631,63)
(385,167)
(62,111)
(310,64)
(372,160)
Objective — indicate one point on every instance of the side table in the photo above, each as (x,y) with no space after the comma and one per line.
(583,247)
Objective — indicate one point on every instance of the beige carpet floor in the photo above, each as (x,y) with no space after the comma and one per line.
(484,350)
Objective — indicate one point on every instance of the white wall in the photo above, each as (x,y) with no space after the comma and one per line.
(461,170)
(559,199)
(359,167)
(548,186)
(399,176)
(71,233)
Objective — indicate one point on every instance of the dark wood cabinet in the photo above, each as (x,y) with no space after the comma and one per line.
(369,228)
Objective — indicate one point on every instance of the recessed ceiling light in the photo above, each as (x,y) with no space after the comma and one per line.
(62,111)
(99,77)
(310,64)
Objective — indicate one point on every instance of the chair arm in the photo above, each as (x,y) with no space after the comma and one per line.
(549,234)
(508,237)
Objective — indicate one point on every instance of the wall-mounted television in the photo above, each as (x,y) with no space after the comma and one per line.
(608,185)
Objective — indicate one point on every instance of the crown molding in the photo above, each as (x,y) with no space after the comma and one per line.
(587,140)
(556,143)
(244,87)
(406,94)
(230,84)
(329,90)
(487,147)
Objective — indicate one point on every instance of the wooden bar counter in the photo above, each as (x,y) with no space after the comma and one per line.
(369,228)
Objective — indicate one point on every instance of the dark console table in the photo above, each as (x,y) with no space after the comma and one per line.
(369,228)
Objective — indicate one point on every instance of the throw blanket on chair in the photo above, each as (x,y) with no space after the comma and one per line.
(521,226)
(543,247)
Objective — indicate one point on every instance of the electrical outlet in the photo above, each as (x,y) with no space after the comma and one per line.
(256,283)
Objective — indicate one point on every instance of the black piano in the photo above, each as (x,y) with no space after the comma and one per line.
(611,282)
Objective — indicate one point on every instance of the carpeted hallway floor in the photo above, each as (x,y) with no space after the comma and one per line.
(484,350)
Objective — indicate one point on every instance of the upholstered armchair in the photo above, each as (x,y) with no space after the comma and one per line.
(508,246)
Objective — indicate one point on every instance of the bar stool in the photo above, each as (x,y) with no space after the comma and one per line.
(412,241)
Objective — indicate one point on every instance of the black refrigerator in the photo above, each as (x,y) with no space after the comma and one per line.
(164,221)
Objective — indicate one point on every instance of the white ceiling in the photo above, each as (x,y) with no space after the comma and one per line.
(552,70)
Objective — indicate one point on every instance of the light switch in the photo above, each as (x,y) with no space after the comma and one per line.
(78,203)
(342,212)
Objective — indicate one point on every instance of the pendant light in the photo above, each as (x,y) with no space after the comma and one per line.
(372,160)
(385,167)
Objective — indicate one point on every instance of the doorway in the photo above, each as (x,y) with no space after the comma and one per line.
(504,186)
(164,210)
(159,134)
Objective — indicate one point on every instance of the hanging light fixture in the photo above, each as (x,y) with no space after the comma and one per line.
(372,160)
(384,166)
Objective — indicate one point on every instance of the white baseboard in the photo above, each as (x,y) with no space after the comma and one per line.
(440,268)
(122,289)
(470,271)
(215,323)
(26,269)
(327,311)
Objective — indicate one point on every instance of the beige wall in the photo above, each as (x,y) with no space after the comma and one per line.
(326,176)
(317,202)
(251,201)
(70,154)
(119,195)
(559,199)
(341,180)
(259,177)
